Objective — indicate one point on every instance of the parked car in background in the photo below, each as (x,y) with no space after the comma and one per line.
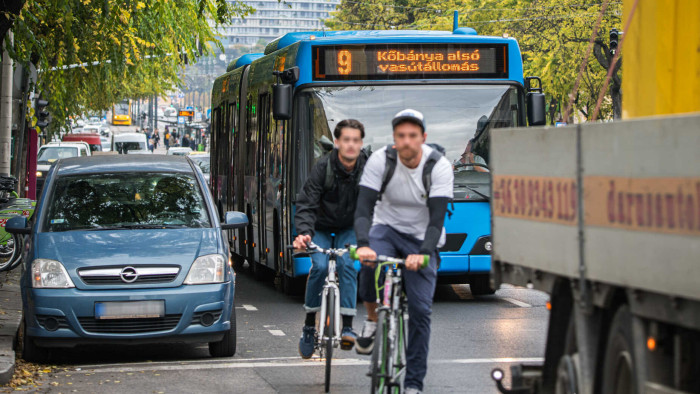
(92,139)
(130,143)
(179,151)
(50,153)
(127,250)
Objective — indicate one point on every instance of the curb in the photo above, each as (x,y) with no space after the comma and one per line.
(10,317)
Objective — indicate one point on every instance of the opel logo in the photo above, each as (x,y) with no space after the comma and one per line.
(129,275)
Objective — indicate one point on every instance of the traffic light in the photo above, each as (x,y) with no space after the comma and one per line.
(42,113)
(614,37)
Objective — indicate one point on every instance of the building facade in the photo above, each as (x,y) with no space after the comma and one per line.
(275,18)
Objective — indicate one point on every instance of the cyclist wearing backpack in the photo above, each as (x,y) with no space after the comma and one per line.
(408,186)
(326,206)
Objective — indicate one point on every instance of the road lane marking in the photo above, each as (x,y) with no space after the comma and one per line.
(249,307)
(516,302)
(278,363)
(277,333)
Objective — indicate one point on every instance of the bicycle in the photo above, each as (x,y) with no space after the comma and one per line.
(328,326)
(388,364)
(12,205)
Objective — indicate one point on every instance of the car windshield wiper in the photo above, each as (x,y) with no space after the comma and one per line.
(135,226)
(482,195)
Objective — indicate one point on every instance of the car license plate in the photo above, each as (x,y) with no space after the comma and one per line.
(129,310)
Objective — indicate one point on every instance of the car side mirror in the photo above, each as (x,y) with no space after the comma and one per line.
(17,225)
(234,220)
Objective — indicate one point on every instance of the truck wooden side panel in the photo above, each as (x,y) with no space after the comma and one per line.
(642,204)
(640,209)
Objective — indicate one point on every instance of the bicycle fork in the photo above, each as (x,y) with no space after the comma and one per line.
(332,334)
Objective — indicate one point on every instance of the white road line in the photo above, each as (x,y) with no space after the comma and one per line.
(201,361)
(279,364)
(277,333)
(249,307)
(516,302)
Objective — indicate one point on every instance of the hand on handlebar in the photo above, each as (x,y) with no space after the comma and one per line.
(302,241)
(366,256)
(414,262)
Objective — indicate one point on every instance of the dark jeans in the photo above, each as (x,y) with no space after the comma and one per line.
(419,287)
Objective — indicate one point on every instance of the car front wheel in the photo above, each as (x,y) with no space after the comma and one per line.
(226,347)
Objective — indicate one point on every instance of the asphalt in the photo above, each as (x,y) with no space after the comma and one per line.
(10,317)
(470,337)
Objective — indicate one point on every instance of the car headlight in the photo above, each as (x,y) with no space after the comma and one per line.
(206,269)
(50,274)
(39,174)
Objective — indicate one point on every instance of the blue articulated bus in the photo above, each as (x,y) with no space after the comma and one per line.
(273,116)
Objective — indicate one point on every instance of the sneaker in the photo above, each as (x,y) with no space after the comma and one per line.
(347,338)
(365,342)
(307,342)
(411,390)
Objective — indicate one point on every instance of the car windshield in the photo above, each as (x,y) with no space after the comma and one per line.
(202,162)
(125,147)
(53,153)
(457,118)
(125,200)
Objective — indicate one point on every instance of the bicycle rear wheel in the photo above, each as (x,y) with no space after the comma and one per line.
(378,365)
(19,246)
(330,333)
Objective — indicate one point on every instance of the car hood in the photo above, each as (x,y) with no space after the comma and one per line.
(80,249)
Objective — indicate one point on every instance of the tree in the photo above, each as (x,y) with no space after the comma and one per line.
(92,53)
(553,36)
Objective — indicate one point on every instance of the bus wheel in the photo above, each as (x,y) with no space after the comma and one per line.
(619,363)
(481,285)
(238,262)
(258,270)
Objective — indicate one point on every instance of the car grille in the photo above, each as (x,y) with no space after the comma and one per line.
(135,275)
(129,326)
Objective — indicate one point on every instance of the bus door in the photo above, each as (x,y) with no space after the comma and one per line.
(263,136)
(240,154)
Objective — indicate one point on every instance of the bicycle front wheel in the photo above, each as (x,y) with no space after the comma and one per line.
(9,252)
(378,366)
(330,333)
(399,356)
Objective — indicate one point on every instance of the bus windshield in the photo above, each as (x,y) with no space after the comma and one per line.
(457,117)
(121,108)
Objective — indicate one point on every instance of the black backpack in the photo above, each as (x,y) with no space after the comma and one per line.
(391,157)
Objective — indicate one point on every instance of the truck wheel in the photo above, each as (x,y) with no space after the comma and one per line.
(568,368)
(619,370)
(226,347)
(481,285)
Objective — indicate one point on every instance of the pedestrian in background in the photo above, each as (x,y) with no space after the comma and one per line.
(167,140)
(156,139)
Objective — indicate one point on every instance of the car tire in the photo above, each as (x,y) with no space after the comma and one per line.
(30,351)
(226,347)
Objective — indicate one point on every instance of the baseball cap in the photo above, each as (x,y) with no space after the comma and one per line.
(410,115)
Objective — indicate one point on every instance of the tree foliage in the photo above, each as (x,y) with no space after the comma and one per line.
(553,36)
(93,53)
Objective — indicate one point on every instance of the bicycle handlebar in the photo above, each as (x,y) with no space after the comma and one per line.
(386,259)
(313,248)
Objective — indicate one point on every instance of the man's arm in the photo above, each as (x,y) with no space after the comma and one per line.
(310,199)
(366,200)
(437,208)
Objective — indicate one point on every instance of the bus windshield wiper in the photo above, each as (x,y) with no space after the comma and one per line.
(482,195)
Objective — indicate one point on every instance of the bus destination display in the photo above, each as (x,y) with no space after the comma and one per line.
(410,61)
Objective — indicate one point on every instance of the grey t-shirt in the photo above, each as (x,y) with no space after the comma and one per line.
(404,203)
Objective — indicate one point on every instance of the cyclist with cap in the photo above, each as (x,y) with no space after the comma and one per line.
(397,216)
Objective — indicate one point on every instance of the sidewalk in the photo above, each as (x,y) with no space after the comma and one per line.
(10,316)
